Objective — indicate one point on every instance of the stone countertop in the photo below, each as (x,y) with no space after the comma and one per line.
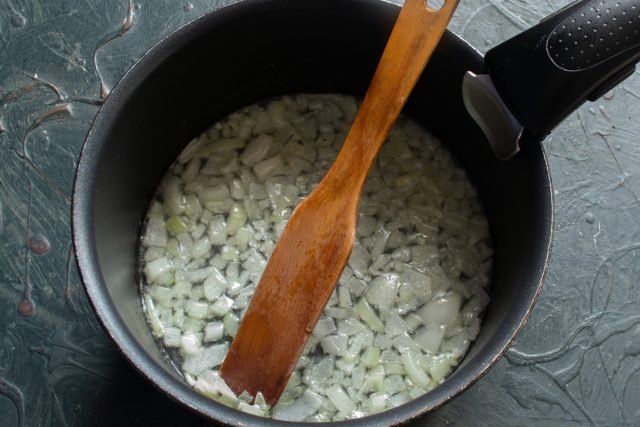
(577,362)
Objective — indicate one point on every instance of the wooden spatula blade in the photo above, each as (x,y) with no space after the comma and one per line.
(290,297)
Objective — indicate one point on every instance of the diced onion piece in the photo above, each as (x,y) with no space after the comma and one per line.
(417,375)
(257,150)
(442,311)
(257,191)
(221,306)
(366,225)
(374,379)
(216,193)
(344,297)
(214,331)
(320,372)
(335,345)
(153,253)
(383,290)
(369,316)
(341,400)
(430,337)
(324,327)
(251,409)
(197,310)
(155,233)
(216,385)
(214,285)
(356,286)
(198,231)
(350,326)
(395,325)
(177,319)
(157,267)
(353,352)
(359,260)
(205,359)
(439,368)
(172,337)
(192,206)
(404,342)
(268,167)
(377,402)
(230,253)
(191,170)
(218,230)
(197,275)
(173,197)
(157,327)
(166,279)
(371,357)
(300,409)
(182,289)
(276,110)
(237,219)
(161,295)
(418,282)
(399,399)
(226,144)
(457,345)
(201,248)
(191,148)
(231,323)
(190,344)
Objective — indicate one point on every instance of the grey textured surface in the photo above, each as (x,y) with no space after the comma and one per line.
(577,361)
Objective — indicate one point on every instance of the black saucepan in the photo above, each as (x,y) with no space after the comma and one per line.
(258,49)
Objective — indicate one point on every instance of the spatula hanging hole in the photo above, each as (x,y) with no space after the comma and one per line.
(435,4)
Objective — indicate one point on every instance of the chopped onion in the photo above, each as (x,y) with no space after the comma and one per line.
(209,358)
(217,193)
(221,306)
(155,233)
(237,219)
(172,337)
(324,327)
(190,344)
(214,331)
(442,311)
(201,248)
(257,150)
(268,167)
(218,230)
(369,316)
(157,327)
(430,337)
(371,357)
(335,344)
(197,310)
(407,305)
(225,144)
(341,400)
(156,268)
(383,289)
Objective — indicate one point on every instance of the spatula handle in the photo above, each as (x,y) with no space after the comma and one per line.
(577,54)
(413,39)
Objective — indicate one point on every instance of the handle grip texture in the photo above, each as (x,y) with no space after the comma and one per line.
(594,33)
(577,54)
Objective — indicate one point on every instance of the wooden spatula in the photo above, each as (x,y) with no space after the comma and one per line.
(316,243)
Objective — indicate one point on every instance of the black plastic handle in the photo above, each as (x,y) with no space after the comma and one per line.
(577,54)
